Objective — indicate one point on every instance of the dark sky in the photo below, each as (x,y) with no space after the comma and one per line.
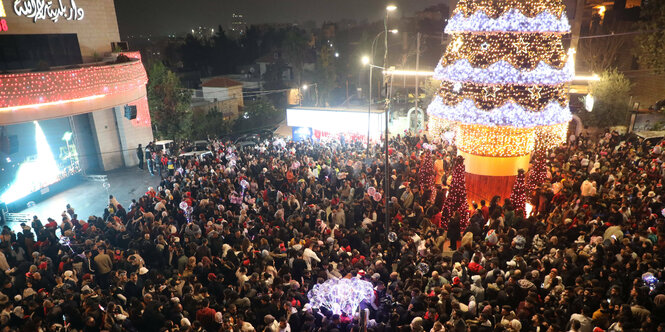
(162,17)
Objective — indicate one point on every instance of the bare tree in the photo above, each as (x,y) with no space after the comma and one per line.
(600,51)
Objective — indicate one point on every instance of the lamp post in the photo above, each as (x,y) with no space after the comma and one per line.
(305,87)
(370,61)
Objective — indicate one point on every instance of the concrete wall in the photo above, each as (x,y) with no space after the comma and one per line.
(130,136)
(648,87)
(228,107)
(234,92)
(105,131)
(96,31)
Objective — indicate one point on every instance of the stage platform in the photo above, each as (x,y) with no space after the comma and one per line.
(89,196)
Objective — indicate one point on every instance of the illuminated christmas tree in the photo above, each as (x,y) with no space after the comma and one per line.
(426,172)
(537,174)
(504,77)
(518,195)
(456,200)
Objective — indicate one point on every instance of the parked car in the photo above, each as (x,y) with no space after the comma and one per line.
(200,155)
(165,146)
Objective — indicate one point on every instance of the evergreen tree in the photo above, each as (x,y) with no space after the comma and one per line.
(537,174)
(426,172)
(457,198)
(504,76)
(518,195)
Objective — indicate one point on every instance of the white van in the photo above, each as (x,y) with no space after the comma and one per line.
(165,146)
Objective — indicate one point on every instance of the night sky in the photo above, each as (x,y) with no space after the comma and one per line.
(163,17)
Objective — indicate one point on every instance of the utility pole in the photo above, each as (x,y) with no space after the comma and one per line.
(417,65)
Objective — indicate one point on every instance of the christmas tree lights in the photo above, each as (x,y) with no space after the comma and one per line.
(504,76)
(509,114)
(426,172)
(512,20)
(518,194)
(537,173)
(504,73)
(496,8)
(457,196)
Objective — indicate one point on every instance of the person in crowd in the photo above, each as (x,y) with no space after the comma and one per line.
(237,240)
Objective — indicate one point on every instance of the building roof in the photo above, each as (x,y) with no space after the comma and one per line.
(220,82)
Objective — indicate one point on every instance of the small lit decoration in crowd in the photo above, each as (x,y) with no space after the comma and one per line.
(392,236)
(518,194)
(429,147)
(423,268)
(456,200)
(371,191)
(504,78)
(377,196)
(187,209)
(66,241)
(650,280)
(341,295)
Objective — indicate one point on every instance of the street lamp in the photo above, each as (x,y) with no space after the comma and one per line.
(369,61)
(305,87)
(391,8)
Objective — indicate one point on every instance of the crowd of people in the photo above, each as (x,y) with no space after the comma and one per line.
(234,242)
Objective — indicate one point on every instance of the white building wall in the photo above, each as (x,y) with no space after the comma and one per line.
(130,136)
(210,94)
(106,134)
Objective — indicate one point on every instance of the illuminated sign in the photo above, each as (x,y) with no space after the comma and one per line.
(3,22)
(42,10)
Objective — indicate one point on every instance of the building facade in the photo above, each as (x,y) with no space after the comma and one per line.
(71,97)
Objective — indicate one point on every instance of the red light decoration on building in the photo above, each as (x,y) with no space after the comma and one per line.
(3,25)
(142,113)
(61,86)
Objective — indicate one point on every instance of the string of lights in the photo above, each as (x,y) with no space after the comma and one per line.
(503,72)
(505,141)
(486,97)
(69,84)
(524,51)
(496,8)
(511,21)
(509,114)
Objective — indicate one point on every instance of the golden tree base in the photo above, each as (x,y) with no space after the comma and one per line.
(487,177)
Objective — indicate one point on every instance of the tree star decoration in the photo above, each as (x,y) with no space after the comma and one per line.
(490,91)
(457,87)
(341,295)
(535,91)
(521,46)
